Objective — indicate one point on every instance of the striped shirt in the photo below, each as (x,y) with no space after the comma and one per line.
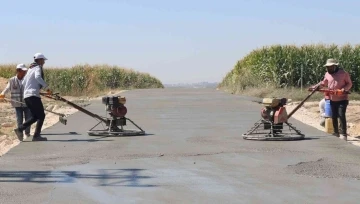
(16,89)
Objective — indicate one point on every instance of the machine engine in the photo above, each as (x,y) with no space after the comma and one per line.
(115,108)
(115,105)
(274,110)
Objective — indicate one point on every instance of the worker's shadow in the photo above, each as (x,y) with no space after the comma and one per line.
(65,133)
(100,139)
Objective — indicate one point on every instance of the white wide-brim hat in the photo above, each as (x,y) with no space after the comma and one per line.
(331,62)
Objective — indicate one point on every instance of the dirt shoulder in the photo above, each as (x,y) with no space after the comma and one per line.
(8,139)
(309,114)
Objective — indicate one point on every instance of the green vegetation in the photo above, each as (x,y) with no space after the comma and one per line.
(86,79)
(276,69)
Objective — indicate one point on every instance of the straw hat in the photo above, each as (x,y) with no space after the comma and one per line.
(331,62)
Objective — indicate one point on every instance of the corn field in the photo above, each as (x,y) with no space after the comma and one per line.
(86,79)
(281,65)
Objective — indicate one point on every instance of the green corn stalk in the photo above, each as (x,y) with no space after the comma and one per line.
(87,79)
(281,65)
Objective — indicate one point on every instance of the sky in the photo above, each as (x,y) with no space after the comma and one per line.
(176,41)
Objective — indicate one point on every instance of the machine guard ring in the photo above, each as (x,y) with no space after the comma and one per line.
(115,132)
(260,133)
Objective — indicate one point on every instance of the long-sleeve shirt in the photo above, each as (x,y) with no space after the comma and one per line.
(340,79)
(15,87)
(33,82)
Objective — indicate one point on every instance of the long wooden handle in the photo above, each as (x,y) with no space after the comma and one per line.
(59,114)
(57,97)
(332,91)
(303,101)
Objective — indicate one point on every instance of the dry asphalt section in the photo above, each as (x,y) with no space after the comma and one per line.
(193,153)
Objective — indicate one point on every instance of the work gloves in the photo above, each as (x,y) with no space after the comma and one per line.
(48,92)
(2,97)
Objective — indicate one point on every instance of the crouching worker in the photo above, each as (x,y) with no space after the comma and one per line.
(15,87)
(337,78)
(33,82)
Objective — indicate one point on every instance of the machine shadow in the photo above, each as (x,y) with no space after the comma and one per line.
(65,133)
(144,135)
(104,177)
(310,138)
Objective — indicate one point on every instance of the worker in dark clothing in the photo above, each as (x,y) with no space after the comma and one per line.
(33,82)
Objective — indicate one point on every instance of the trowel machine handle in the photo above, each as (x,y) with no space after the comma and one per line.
(57,97)
(330,91)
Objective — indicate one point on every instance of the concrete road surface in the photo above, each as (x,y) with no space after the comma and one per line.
(193,153)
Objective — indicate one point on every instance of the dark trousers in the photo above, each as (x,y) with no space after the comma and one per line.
(21,113)
(37,114)
(338,109)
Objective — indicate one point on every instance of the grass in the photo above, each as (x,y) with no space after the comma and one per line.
(91,79)
(276,70)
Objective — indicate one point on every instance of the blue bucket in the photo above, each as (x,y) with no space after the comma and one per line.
(328,112)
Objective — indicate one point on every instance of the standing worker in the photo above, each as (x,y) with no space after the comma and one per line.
(16,89)
(337,78)
(33,82)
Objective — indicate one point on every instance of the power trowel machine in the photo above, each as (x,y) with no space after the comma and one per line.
(274,123)
(113,125)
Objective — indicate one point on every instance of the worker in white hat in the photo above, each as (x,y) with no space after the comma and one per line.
(39,57)
(336,78)
(16,89)
(33,82)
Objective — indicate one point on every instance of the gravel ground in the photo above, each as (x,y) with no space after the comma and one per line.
(309,114)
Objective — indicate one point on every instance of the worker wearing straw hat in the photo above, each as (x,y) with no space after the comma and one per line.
(16,89)
(337,78)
